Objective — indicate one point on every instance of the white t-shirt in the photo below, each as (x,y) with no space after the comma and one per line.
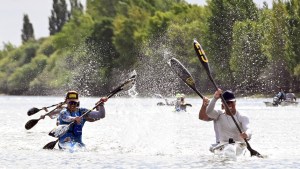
(225,125)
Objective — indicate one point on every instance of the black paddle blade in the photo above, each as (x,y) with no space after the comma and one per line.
(31,123)
(33,111)
(255,153)
(50,145)
(184,74)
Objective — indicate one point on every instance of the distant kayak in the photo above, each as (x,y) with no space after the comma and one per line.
(165,104)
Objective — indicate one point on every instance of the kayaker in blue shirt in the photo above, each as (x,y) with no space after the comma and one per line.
(72,113)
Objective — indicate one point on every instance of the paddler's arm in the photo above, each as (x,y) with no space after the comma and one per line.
(54,113)
(99,114)
(202,113)
(210,108)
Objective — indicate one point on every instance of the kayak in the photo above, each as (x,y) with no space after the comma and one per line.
(165,104)
(229,150)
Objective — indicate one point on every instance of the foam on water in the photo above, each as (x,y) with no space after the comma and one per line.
(138,134)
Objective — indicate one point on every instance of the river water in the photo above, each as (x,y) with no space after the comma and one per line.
(138,134)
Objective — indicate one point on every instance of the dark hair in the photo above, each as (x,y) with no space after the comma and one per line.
(228,95)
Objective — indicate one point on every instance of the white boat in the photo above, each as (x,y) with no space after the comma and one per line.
(229,150)
(283,103)
(289,100)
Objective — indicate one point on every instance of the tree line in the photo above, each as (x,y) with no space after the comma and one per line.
(251,50)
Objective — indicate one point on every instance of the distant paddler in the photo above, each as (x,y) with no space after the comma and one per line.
(180,104)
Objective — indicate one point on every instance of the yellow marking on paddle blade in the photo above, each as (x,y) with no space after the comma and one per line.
(190,81)
(201,52)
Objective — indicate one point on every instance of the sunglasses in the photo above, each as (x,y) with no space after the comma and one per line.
(73,103)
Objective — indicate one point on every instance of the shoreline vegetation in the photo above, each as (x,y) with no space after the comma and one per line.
(91,49)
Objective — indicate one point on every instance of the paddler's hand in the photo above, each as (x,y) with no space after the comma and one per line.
(205,101)
(77,119)
(244,135)
(42,117)
(45,108)
(102,100)
(217,94)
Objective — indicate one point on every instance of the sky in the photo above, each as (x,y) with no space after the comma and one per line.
(38,11)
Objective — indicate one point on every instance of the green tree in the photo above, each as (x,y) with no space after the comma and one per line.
(103,8)
(18,82)
(247,61)
(76,7)
(293,9)
(224,14)
(27,31)
(102,51)
(277,44)
(59,16)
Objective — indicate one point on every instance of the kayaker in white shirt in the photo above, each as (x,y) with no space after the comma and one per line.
(224,122)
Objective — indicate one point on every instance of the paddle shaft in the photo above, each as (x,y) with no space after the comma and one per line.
(57,106)
(51,106)
(199,94)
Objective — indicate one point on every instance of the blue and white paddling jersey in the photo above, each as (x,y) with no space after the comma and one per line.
(74,133)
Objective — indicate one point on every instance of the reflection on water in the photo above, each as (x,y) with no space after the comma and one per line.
(138,134)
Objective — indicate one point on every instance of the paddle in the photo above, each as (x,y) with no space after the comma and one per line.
(184,74)
(31,123)
(204,61)
(35,110)
(50,145)
(62,129)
